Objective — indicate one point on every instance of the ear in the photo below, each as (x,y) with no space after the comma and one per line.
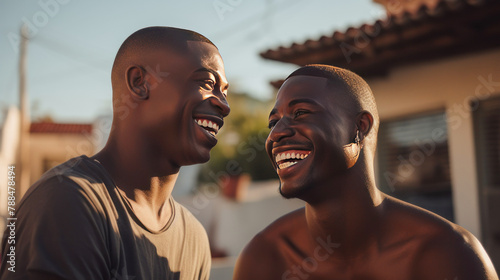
(364,123)
(137,83)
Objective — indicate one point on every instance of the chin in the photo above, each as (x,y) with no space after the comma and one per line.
(193,157)
(200,155)
(198,159)
(204,159)
(291,191)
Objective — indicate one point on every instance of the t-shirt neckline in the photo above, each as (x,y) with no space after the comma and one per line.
(127,204)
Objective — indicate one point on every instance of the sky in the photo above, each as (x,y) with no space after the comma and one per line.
(73,43)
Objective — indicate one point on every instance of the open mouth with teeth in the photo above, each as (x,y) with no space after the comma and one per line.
(210,126)
(288,158)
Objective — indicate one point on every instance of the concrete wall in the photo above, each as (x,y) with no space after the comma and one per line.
(448,84)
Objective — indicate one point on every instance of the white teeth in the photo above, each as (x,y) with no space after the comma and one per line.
(286,164)
(282,156)
(208,124)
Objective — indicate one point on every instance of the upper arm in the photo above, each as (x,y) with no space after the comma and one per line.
(246,261)
(60,233)
(458,255)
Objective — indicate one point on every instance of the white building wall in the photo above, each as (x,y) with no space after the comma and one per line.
(448,84)
(9,142)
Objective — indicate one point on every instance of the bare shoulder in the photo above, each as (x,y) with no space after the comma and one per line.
(261,258)
(443,250)
(454,253)
(285,226)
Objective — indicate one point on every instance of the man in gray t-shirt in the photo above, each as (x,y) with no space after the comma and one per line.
(112,216)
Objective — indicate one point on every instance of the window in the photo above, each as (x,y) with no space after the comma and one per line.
(487,132)
(414,163)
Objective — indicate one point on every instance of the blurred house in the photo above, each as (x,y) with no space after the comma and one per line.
(53,143)
(434,67)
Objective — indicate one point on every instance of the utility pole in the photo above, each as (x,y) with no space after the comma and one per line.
(23,165)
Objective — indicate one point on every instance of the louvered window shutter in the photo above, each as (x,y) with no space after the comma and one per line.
(487,138)
(413,161)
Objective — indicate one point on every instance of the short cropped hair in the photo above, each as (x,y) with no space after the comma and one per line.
(155,37)
(357,90)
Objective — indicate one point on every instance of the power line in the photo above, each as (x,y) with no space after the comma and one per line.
(235,29)
(69,52)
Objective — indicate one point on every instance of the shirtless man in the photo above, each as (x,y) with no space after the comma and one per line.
(112,216)
(322,143)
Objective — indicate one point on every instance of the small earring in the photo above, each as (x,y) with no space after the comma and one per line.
(357,137)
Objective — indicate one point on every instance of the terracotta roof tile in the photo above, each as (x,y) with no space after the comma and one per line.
(48,127)
(451,27)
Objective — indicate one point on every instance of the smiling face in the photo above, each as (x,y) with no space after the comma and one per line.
(309,128)
(186,105)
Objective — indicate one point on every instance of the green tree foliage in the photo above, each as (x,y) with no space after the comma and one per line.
(241,142)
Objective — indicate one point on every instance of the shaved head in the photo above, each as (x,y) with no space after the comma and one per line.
(146,40)
(357,91)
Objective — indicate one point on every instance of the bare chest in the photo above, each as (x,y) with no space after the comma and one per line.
(323,262)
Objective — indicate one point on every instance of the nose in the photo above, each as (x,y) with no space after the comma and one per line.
(280,130)
(221,104)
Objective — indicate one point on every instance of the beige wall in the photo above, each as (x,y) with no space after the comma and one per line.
(57,147)
(447,84)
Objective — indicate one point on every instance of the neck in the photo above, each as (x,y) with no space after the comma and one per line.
(349,213)
(146,182)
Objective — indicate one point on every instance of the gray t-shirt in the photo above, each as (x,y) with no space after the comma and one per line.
(74,224)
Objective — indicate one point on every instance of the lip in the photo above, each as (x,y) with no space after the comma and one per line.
(217,122)
(210,138)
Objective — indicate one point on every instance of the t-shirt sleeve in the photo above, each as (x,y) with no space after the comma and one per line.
(60,234)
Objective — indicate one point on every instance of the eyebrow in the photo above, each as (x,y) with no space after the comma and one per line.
(297,101)
(217,76)
(303,100)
